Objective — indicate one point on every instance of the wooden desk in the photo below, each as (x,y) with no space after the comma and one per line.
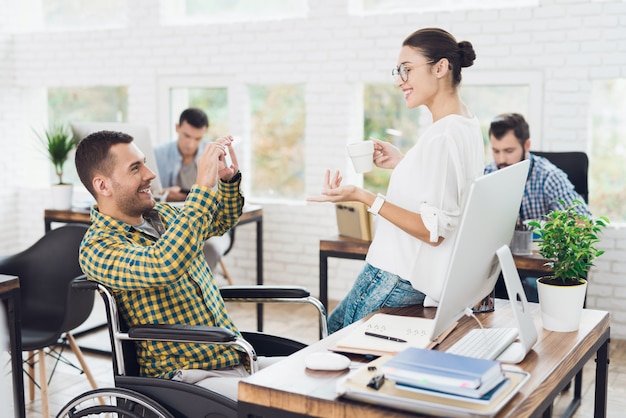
(288,389)
(356,249)
(251,213)
(10,292)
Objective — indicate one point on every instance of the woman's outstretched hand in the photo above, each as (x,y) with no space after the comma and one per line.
(333,191)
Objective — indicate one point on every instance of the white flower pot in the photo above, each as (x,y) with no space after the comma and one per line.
(62,196)
(561,306)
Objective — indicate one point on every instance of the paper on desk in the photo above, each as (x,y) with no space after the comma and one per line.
(417,332)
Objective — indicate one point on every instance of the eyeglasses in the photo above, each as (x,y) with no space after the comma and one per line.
(403,72)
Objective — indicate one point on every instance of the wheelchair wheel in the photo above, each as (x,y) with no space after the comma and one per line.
(114,403)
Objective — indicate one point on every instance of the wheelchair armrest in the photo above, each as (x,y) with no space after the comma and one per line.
(182,333)
(264,292)
(193,334)
(82,283)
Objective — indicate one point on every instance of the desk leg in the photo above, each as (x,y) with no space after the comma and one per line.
(259,271)
(15,331)
(324,279)
(602,376)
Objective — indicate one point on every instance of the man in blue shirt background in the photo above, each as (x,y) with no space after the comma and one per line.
(176,162)
(509,137)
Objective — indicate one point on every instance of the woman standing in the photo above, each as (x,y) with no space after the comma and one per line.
(417,220)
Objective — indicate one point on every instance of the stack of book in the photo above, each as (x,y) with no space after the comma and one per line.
(370,385)
(446,375)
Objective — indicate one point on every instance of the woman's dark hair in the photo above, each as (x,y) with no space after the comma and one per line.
(93,156)
(435,44)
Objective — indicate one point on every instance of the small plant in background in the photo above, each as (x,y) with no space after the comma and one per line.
(568,240)
(58,142)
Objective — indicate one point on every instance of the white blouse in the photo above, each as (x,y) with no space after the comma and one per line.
(432,179)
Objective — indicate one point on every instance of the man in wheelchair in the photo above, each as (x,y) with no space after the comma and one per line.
(150,256)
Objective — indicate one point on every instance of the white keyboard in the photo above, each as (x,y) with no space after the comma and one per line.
(486,343)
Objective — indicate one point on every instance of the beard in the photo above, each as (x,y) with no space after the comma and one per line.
(503,165)
(132,203)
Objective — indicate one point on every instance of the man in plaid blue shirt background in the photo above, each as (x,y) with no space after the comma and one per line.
(509,137)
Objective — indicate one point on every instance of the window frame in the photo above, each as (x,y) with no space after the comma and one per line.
(532,79)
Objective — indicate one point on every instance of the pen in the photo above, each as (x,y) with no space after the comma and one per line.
(385,337)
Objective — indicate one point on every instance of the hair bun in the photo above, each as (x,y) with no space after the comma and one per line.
(466,53)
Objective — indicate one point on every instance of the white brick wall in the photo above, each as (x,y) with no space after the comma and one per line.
(571,42)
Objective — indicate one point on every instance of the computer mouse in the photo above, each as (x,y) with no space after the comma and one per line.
(327,361)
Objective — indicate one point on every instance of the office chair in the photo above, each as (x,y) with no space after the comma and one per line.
(150,396)
(575,164)
(50,308)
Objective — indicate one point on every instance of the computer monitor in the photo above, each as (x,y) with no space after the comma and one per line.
(140,133)
(487,224)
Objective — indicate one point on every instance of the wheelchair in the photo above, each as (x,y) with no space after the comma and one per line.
(150,397)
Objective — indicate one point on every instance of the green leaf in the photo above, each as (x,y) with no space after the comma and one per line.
(57,142)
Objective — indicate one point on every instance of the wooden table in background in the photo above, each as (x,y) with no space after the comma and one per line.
(340,246)
(10,292)
(251,213)
(289,389)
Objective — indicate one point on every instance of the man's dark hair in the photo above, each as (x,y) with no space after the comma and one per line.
(195,117)
(506,122)
(93,155)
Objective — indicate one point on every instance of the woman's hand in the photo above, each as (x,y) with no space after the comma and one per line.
(386,155)
(333,191)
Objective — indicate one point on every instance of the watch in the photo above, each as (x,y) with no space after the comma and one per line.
(234,179)
(378,203)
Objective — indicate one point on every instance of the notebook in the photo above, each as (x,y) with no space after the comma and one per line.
(444,372)
(486,226)
(385,334)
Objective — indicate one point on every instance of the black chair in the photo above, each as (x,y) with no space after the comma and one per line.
(148,396)
(50,307)
(575,164)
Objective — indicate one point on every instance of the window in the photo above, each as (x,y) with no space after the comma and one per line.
(95,104)
(607,149)
(387,118)
(222,11)
(277,141)
(214,102)
(60,15)
(76,104)
(398,6)
(487,101)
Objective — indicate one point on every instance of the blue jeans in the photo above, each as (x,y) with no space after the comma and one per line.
(372,290)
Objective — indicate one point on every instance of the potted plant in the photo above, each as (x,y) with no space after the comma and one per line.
(58,142)
(568,240)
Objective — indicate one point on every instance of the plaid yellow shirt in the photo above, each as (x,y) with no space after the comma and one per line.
(167,281)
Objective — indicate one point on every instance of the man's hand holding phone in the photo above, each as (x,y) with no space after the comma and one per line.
(213,165)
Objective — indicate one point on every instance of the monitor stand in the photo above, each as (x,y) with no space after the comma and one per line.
(527,333)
